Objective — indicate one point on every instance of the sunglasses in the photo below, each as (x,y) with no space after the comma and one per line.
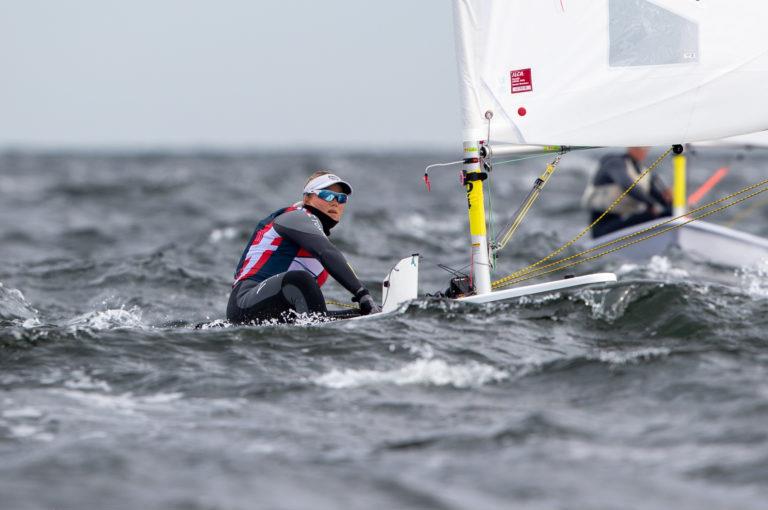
(329,196)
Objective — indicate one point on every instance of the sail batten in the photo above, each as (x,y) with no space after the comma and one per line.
(612,72)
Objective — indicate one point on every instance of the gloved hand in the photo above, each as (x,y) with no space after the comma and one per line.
(367,304)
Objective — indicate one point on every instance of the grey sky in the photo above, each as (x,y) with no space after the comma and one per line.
(358,73)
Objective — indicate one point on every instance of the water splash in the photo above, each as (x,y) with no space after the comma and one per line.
(658,267)
(609,305)
(14,307)
(754,280)
(109,319)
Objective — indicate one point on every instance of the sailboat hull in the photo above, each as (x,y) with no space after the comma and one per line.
(541,288)
(699,240)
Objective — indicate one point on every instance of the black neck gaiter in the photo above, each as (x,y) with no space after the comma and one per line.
(327,222)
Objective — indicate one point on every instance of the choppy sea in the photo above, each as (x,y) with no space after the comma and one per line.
(651,393)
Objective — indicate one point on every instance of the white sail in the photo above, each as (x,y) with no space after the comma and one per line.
(612,72)
(749,141)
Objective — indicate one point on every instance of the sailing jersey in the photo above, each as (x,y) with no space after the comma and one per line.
(290,239)
(616,174)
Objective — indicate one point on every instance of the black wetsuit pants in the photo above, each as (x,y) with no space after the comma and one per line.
(280,297)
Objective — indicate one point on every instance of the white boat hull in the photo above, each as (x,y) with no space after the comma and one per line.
(401,286)
(539,288)
(698,239)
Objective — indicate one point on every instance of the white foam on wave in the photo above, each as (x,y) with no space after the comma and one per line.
(659,266)
(13,305)
(632,357)
(222,234)
(608,305)
(82,381)
(754,280)
(24,423)
(108,319)
(126,403)
(433,372)
(216,324)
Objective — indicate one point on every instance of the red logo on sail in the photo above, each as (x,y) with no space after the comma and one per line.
(521,80)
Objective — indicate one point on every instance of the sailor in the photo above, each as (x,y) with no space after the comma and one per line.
(649,199)
(289,257)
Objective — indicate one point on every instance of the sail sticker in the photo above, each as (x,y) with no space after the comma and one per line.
(521,80)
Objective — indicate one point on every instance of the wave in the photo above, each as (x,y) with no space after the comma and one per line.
(432,372)
(14,308)
(530,426)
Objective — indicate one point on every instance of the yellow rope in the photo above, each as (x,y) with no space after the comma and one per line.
(503,282)
(534,274)
(647,229)
(337,303)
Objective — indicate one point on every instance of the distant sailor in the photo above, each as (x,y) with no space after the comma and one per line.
(648,200)
(289,257)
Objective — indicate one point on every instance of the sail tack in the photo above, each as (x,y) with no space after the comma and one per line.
(612,72)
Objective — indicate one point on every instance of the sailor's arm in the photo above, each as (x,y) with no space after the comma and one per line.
(306,231)
(618,174)
(660,192)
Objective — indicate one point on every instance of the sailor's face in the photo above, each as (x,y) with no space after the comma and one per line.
(639,153)
(332,209)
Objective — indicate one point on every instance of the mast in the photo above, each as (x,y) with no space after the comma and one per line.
(679,181)
(465,21)
(473,183)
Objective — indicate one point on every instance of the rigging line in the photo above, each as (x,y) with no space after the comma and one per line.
(491,223)
(437,165)
(535,274)
(581,234)
(647,229)
(506,235)
(544,155)
(489,167)
(454,272)
(534,156)
(445,267)
(433,165)
(530,276)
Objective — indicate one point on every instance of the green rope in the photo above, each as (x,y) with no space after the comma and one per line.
(544,155)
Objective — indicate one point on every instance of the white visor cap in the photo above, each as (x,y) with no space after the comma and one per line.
(325,181)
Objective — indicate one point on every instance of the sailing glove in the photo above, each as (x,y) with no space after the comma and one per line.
(366,302)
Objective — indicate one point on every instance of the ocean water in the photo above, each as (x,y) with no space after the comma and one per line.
(651,393)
